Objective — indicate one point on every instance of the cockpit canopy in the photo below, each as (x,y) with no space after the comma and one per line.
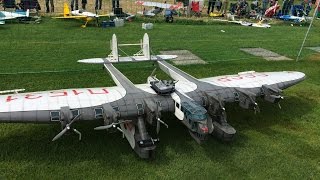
(193,111)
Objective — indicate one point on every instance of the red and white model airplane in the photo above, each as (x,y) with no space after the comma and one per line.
(130,108)
(157,7)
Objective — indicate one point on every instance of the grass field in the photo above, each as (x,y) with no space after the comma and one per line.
(273,144)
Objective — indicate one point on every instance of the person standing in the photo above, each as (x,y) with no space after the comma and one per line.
(74,5)
(211,4)
(225,4)
(218,4)
(48,7)
(98,4)
(84,3)
(264,5)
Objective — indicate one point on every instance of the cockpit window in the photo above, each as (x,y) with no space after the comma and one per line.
(98,113)
(55,116)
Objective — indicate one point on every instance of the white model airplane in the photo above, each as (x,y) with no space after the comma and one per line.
(5,15)
(157,7)
(197,103)
(295,19)
(79,14)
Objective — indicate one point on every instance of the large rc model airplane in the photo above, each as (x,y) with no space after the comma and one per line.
(80,14)
(136,110)
(157,7)
(5,15)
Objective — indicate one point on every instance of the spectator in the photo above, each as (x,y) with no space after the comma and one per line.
(98,4)
(225,4)
(84,3)
(218,5)
(265,5)
(74,5)
(211,6)
(48,7)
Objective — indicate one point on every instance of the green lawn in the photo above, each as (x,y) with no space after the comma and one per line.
(273,144)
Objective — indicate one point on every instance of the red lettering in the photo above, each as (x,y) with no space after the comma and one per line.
(224,79)
(58,94)
(32,96)
(250,76)
(104,91)
(75,92)
(237,77)
(9,98)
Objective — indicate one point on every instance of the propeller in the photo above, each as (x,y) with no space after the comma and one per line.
(153,72)
(158,124)
(67,128)
(97,17)
(278,97)
(112,125)
(159,121)
(256,108)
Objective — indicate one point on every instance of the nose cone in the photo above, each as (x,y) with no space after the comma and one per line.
(204,130)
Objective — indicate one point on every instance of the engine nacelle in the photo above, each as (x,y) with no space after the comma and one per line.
(246,99)
(271,94)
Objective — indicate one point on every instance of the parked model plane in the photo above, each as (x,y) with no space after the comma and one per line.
(5,15)
(197,103)
(157,7)
(295,19)
(79,14)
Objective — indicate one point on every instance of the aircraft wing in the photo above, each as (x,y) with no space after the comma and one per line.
(250,84)
(70,17)
(159,5)
(255,82)
(104,15)
(126,59)
(54,100)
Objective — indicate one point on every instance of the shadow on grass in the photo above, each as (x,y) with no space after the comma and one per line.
(32,143)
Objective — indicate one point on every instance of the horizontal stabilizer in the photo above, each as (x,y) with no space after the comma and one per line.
(143,55)
(126,59)
(12,91)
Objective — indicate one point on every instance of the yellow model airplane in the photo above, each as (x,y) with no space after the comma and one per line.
(79,14)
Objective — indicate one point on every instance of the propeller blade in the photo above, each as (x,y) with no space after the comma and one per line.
(153,72)
(60,134)
(111,125)
(74,119)
(78,132)
(256,108)
(158,127)
(159,120)
(104,127)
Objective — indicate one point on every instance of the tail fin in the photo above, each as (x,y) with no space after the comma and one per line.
(146,46)
(114,56)
(66,10)
(27,13)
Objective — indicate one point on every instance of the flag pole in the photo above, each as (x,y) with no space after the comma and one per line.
(305,37)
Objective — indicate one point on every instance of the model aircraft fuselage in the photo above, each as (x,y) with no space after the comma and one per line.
(79,14)
(5,15)
(84,13)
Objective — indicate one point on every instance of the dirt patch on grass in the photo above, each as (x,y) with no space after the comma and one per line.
(313,57)
(266,54)
(185,57)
